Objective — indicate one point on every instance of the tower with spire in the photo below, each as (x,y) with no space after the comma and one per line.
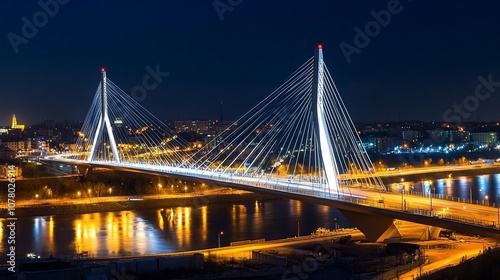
(15,125)
(14,121)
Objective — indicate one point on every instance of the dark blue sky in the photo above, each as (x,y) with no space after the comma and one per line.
(425,60)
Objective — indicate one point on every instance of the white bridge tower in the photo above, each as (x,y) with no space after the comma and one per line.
(104,123)
(320,125)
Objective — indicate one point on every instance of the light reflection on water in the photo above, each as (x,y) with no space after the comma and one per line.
(480,187)
(110,234)
(154,231)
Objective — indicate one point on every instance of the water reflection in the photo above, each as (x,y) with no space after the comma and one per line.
(481,188)
(43,229)
(187,228)
(112,234)
(167,230)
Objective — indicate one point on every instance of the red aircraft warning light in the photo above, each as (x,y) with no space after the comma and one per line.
(103,70)
(320,46)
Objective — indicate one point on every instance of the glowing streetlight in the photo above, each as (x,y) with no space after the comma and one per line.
(498,207)
(220,233)
(430,196)
(110,190)
(402,189)
(470,193)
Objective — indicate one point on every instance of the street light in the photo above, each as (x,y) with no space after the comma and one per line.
(486,201)
(498,207)
(402,189)
(220,233)
(470,193)
(430,196)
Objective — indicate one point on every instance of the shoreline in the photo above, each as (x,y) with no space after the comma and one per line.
(130,205)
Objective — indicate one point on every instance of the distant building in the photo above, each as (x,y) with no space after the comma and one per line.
(15,125)
(481,138)
(460,136)
(439,136)
(411,135)
(192,125)
(21,145)
(41,144)
(379,144)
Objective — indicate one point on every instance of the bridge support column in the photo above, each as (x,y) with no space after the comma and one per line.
(430,233)
(83,172)
(375,228)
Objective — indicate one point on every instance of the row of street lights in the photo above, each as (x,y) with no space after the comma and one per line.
(486,198)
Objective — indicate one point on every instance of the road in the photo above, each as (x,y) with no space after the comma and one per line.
(460,211)
(442,258)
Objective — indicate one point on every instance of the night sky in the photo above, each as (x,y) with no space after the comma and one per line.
(416,67)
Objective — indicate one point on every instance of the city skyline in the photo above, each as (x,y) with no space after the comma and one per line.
(143,130)
(391,60)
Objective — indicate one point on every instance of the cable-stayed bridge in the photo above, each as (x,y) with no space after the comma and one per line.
(299,142)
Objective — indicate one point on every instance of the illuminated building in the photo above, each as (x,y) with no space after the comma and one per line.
(15,125)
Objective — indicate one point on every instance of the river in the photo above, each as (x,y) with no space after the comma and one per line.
(154,231)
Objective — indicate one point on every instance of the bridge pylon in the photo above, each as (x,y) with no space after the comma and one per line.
(320,124)
(104,124)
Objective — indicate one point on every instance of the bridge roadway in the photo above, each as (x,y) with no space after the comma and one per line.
(459,216)
(401,173)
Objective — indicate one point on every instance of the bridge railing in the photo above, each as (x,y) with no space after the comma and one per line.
(286,186)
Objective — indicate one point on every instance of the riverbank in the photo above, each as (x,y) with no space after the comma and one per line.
(85,205)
